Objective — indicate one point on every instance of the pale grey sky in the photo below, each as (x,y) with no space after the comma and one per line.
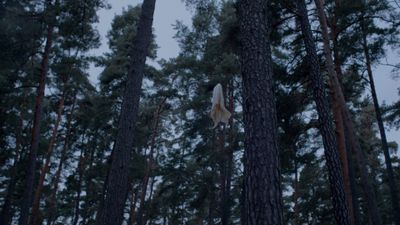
(166,14)
(169,11)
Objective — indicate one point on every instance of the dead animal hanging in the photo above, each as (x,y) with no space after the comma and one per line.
(218,111)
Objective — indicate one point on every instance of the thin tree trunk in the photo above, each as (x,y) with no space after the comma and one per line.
(100,214)
(228,156)
(89,162)
(63,158)
(30,172)
(261,157)
(132,212)
(326,127)
(150,164)
(353,183)
(118,185)
(45,168)
(222,163)
(336,54)
(385,147)
(7,213)
(296,196)
(81,167)
(366,183)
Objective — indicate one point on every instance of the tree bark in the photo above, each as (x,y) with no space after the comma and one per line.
(326,127)
(378,114)
(45,168)
(118,185)
(343,151)
(261,157)
(30,172)
(366,183)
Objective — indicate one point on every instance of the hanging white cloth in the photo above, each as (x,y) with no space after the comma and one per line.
(218,111)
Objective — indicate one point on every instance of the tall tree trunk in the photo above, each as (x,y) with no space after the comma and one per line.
(366,183)
(150,164)
(343,151)
(45,168)
(118,185)
(334,28)
(132,211)
(341,146)
(261,157)
(81,168)
(7,212)
(86,165)
(63,158)
(31,168)
(326,127)
(296,195)
(222,164)
(228,156)
(353,184)
(385,147)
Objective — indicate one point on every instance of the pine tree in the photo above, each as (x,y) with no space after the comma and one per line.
(326,127)
(261,157)
(117,186)
(30,172)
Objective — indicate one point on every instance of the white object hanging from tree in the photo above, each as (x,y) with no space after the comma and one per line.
(218,111)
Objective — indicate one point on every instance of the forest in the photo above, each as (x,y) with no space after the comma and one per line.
(296,135)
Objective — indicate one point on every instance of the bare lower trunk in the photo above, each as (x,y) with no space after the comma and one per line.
(262,169)
(341,145)
(31,168)
(353,183)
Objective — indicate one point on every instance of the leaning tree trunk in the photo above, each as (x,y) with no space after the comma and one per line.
(362,164)
(261,157)
(45,168)
(57,177)
(339,122)
(149,164)
(348,171)
(118,180)
(30,172)
(385,147)
(326,127)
